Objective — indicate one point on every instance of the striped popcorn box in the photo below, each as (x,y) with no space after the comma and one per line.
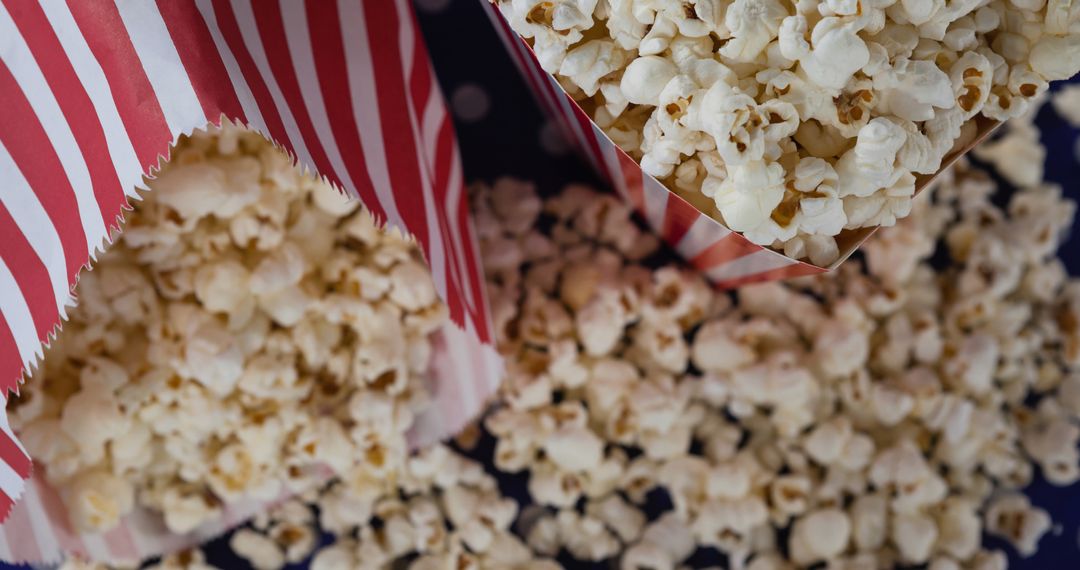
(725,257)
(94,93)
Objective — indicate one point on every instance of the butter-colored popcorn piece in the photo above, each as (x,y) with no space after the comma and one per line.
(820,535)
(258,549)
(1012,517)
(96,500)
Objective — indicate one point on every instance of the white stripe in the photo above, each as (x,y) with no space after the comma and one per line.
(34,224)
(610,155)
(11,483)
(250,32)
(436,254)
(754,263)
(28,75)
(703,233)
(243,92)
(299,40)
(96,549)
(453,204)
(164,69)
(4,425)
(565,110)
(457,346)
(92,77)
(5,549)
(434,112)
(48,545)
(362,85)
(656,197)
(17,314)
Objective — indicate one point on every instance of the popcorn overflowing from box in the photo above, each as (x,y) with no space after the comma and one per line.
(801,126)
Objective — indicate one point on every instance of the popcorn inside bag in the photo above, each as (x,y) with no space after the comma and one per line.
(249,334)
(95,95)
(801,125)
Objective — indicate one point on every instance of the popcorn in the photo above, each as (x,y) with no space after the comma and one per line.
(820,535)
(262,552)
(1012,517)
(723,100)
(1067,103)
(914,536)
(230,298)
(873,414)
(833,54)
(97,499)
(574,449)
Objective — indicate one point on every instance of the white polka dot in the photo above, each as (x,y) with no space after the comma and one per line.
(470,103)
(432,6)
(551,139)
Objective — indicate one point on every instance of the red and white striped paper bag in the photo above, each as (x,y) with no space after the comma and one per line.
(725,257)
(93,94)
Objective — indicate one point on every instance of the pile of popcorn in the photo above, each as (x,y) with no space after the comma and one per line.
(795,121)
(249,331)
(887,414)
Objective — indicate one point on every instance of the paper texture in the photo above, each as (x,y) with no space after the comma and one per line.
(95,92)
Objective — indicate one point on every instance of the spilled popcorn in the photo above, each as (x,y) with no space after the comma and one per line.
(886,415)
(795,121)
(249,329)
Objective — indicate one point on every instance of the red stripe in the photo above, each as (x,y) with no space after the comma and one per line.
(332,69)
(275,44)
(446,153)
(455,289)
(634,179)
(423,88)
(30,274)
(796,269)
(420,79)
(25,140)
(13,456)
(728,248)
(121,543)
(592,139)
(455,300)
(20,536)
(397,130)
(11,372)
(230,30)
(100,23)
(480,315)
(202,61)
(74,103)
(5,506)
(678,217)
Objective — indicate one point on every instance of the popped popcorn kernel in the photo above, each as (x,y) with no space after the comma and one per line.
(723,101)
(243,292)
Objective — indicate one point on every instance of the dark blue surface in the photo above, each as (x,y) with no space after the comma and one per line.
(466,51)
